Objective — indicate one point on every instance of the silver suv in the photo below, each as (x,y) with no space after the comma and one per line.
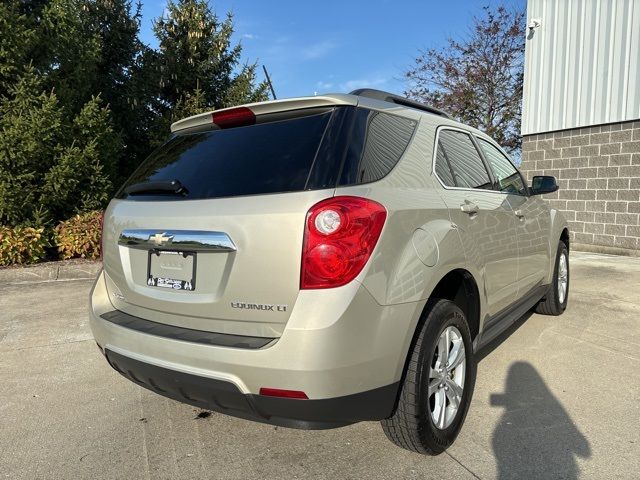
(315,262)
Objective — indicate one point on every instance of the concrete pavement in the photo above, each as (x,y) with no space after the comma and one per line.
(558,398)
(75,269)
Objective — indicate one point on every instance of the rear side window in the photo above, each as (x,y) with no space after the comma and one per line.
(458,163)
(378,140)
(508,177)
(341,146)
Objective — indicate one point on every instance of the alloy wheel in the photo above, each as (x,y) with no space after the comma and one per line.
(563,277)
(446,377)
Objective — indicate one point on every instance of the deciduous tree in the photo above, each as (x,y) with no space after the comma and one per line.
(478,79)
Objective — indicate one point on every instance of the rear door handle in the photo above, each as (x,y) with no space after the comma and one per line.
(469,207)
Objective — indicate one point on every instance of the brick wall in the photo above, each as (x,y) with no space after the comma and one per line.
(598,170)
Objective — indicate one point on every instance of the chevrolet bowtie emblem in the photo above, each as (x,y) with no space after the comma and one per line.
(160,239)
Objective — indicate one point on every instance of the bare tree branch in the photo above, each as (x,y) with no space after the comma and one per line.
(478,78)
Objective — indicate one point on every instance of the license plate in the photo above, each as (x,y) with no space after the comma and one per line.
(172,269)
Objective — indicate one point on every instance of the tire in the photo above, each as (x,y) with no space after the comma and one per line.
(554,302)
(412,425)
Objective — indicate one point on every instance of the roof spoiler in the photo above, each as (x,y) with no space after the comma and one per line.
(269,107)
(398,100)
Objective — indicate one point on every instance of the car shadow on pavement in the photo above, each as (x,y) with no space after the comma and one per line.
(535,437)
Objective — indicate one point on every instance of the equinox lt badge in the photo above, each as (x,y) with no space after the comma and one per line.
(259,306)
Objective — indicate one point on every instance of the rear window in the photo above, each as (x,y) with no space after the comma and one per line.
(342,146)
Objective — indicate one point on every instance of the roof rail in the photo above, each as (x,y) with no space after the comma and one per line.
(397,99)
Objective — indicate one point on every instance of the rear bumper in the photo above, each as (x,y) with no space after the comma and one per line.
(340,347)
(224,397)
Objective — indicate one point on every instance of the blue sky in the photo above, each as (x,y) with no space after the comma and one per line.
(337,46)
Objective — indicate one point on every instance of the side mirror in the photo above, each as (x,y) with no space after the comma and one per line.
(542,184)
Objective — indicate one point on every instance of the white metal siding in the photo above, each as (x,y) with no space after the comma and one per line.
(582,65)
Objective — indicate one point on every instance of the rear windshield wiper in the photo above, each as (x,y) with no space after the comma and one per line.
(163,186)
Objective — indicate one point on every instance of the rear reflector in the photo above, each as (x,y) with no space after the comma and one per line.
(276,392)
(235,117)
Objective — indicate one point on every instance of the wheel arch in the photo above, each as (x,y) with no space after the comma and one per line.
(564,237)
(459,286)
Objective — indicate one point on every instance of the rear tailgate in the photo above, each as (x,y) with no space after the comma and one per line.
(247,291)
(207,233)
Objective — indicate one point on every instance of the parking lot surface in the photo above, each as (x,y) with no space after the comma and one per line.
(558,398)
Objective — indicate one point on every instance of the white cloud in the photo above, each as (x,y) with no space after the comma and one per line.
(350,85)
(317,50)
(279,48)
(249,36)
(324,86)
(291,51)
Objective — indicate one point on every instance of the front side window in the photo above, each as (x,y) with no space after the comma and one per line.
(508,177)
(458,163)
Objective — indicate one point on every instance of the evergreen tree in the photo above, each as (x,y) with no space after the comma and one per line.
(83,100)
(30,131)
(80,179)
(122,79)
(51,167)
(191,103)
(107,62)
(33,9)
(16,40)
(71,52)
(199,68)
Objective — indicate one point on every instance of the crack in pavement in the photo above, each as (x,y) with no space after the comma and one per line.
(462,464)
(45,345)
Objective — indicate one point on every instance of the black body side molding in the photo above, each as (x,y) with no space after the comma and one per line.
(497,324)
(186,334)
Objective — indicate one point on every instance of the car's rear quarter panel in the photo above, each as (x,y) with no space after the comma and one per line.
(419,245)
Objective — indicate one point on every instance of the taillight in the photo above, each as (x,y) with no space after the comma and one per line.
(234,117)
(340,234)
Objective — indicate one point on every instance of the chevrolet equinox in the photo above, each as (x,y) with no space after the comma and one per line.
(316,262)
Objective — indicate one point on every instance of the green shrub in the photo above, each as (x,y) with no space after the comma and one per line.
(20,245)
(80,236)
